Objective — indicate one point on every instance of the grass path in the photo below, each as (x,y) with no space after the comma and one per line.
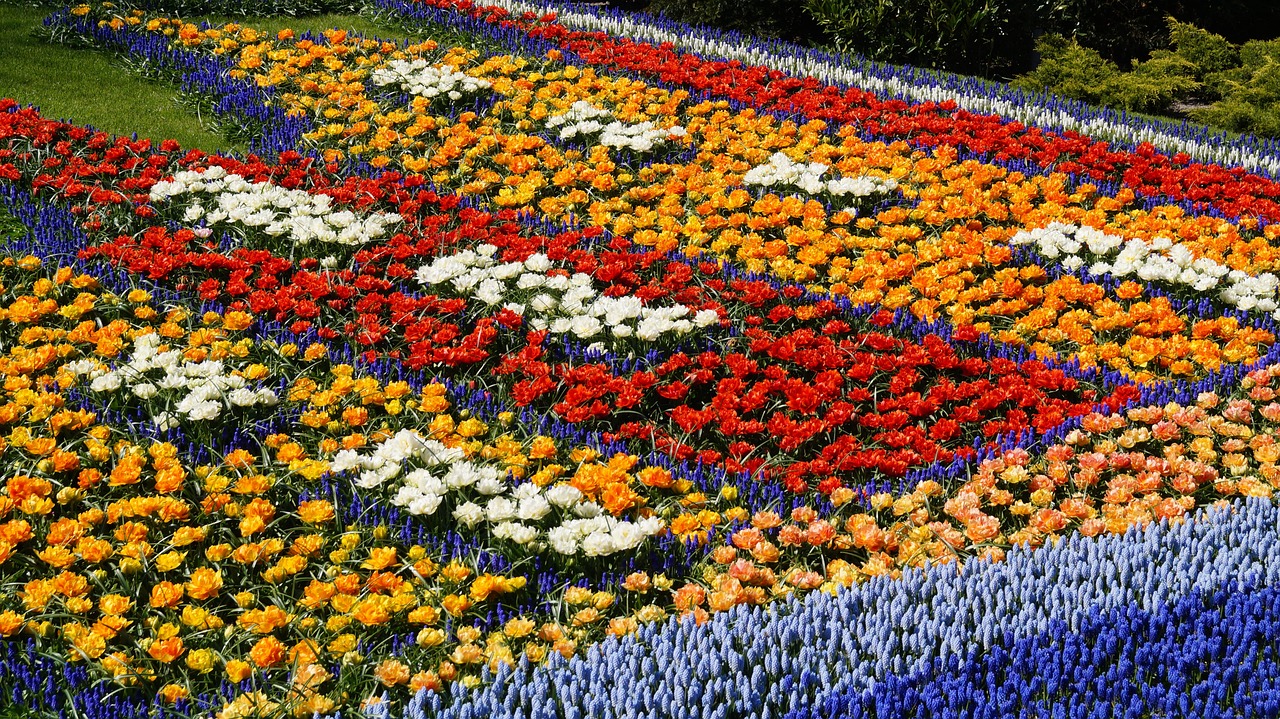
(85,87)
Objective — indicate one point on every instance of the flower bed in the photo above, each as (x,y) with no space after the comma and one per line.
(575,376)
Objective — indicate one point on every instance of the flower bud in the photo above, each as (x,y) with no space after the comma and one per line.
(69,495)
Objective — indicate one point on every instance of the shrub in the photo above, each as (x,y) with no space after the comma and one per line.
(1238,115)
(1249,92)
(1256,53)
(1118,31)
(1154,85)
(1069,69)
(1078,72)
(1243,80)
(1207,52)
(249,8)
(989,37)
(1123,31)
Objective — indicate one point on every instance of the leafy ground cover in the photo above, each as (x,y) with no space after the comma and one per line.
(526,369)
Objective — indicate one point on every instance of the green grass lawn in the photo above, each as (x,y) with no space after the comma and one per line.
(85,87)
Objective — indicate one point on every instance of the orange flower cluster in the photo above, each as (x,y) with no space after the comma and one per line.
(944,253)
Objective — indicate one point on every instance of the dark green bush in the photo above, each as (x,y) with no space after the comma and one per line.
(987,36)
(973,36)
(786,19)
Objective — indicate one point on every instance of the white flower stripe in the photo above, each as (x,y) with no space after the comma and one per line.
(555,302)
(297,215)
(558,516)
(1161,260)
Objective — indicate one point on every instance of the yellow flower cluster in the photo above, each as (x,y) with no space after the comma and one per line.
(118,551)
